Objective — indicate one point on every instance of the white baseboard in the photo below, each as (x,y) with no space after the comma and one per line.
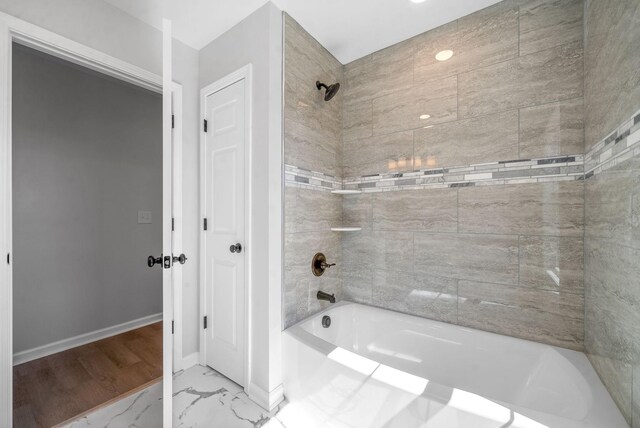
(190,360)
(266,400)
(83,339)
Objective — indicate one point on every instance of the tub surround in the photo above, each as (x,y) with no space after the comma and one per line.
(498,188)
(471,171)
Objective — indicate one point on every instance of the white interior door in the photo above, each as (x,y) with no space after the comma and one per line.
(224,191)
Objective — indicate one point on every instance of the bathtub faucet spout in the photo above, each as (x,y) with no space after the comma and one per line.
(326,296)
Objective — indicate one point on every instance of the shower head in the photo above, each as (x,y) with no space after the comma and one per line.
(330,91)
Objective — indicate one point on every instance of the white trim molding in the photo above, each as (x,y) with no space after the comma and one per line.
(178,225)
(54,44)
(83,339)
(266,400)
(190,361)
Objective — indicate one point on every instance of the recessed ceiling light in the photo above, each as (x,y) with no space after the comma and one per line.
(444,55)
(425,116)
(418,1)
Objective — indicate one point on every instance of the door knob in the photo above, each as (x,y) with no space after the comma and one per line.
(237,248)
(180,259)
(154,261)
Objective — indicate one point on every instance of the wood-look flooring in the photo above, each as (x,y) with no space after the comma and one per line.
(54,389)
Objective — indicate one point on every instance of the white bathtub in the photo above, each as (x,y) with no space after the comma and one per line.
(377,368)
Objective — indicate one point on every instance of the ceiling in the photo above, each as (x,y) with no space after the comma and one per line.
(349,29)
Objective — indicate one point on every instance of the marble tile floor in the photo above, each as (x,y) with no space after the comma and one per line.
(202,398)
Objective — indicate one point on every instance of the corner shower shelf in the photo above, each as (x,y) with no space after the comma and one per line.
(346,191)
(346,229)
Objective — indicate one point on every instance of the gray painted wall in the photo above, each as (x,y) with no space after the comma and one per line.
(87,156)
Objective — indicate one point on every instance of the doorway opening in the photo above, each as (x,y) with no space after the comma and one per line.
(87,211)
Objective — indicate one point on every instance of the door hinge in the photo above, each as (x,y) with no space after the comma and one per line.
(205,125)
(205,224)
(173,224)
(205,322)
(173,121)
(8,258)
(172,326)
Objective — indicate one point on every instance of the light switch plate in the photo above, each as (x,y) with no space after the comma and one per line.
(144,217)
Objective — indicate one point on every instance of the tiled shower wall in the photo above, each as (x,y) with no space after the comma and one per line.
(313,141)
(612,199)
(500,250)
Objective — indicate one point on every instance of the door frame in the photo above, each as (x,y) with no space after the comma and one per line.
(244,73)
(178,224)
(16,30)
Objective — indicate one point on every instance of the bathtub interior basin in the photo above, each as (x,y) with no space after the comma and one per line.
(378,368)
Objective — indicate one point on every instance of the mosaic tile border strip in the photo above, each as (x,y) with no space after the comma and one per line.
(557,168)
(300,177)
(617,147)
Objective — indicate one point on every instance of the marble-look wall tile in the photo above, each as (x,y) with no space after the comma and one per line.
(310,149)
(471,141)
(555,209)
(613,279)
(552,129)
(429,210)
(546,24)
(490,258)
(357,286)
(290,211)
(357,266)
(543,316)
(392,251)
(357,210)
(551,75)
(313,140)
(423,295)
(635,393)
(357,120)
(391,152)
(477,40)
(612,207)
(379,74)
(612,284)
(304,56)
(402,109)
(612,86)
(317,211)
(552,263)
(312,127)
(618,379)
